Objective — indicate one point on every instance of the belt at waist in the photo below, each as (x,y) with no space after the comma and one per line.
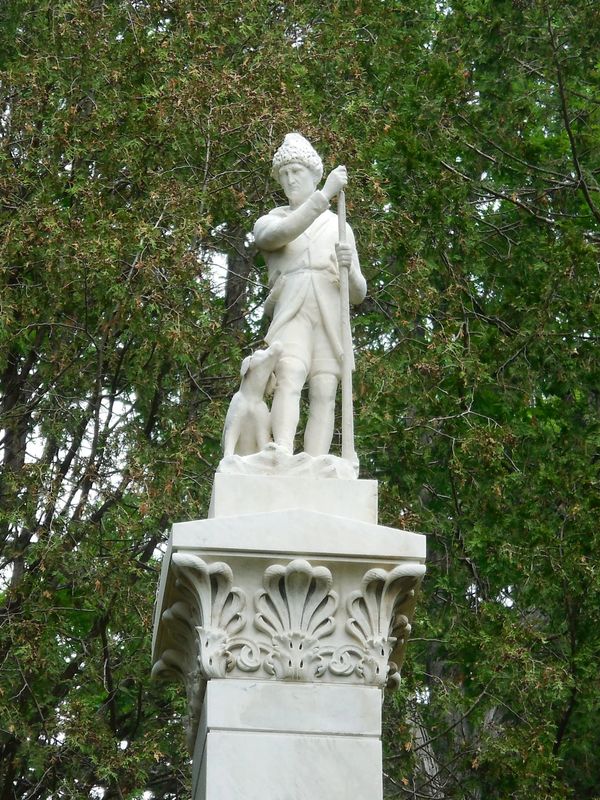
(311,271)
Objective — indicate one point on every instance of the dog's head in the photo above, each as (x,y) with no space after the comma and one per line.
(262,362)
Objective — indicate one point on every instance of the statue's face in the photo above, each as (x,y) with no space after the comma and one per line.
(298,182)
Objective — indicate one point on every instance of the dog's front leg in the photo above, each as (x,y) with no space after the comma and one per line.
(263,426)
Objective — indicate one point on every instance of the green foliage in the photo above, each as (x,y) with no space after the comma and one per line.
(135,140)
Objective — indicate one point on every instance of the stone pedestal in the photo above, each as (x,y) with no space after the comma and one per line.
(285,613)
(279,740)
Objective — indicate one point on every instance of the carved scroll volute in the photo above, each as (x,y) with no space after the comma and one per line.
(379,617)
(296,610)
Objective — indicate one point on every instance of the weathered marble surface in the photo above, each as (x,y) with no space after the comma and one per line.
(313,274)
(248,494)
(286,595)
(288,610)
(288,741)
(273,460)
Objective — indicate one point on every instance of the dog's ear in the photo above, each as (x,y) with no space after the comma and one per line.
(246,365)
(271,384)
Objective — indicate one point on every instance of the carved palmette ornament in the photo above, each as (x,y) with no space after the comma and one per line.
(288,637)
(215,610)
(295,609)
(379,617)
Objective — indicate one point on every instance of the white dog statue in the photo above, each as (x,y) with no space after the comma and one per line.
(248,422)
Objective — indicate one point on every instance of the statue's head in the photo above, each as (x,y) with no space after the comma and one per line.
(297,150)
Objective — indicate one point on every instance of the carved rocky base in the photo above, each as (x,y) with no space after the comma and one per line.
(273,460)
(292,597)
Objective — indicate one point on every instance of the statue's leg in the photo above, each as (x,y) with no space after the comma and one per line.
(285,410)
(319,428)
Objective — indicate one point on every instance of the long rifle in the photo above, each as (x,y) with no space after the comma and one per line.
(348,452)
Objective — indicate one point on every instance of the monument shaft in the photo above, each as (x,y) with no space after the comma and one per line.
(285,624)
(286,613)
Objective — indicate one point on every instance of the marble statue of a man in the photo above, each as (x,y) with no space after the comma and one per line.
(299,242)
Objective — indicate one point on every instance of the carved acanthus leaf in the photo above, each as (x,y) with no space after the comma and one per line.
(379,617)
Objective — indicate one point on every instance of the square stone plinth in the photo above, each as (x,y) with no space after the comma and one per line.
(249,494)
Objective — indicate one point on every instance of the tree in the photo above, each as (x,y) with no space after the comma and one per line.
(135,139)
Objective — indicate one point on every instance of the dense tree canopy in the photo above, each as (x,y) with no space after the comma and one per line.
(135,142)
